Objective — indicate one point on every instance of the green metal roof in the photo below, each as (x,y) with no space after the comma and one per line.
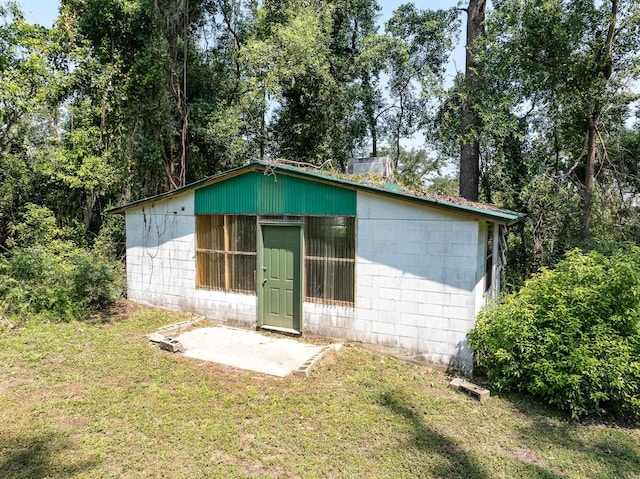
(257,193)
(246,200)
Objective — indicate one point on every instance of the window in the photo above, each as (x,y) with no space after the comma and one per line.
(488,263)
(226,256)
(226,253)
(496,238)
(330,259)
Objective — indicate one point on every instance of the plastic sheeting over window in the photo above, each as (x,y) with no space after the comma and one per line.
(330,258)
(226,253)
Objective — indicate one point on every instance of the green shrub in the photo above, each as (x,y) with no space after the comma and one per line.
(48,277)
(57,285)
(570,335)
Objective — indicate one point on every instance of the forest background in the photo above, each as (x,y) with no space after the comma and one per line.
(124,99)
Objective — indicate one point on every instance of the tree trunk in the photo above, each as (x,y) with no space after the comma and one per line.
(370,113)
(605,66)
(374,143)
(184,111)
(176,27)
(469,119)
(396,160)
(87,211)
(589,171)
(263,120)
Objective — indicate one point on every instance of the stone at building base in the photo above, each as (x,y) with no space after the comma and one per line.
(459,384)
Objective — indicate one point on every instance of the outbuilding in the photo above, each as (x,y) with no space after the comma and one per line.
(282,248)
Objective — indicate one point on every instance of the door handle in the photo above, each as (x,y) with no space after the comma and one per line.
(264,281)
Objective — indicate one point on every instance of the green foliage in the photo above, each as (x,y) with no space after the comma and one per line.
(570,335)
(545,74)
(110,241)
(303,58)
(24,72)
(38,227)
(447,185)
(416,65)
(414,166)
(26,85)
(48,277)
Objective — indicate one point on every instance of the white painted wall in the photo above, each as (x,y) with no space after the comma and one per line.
(161,264)
(419,277)
(419,280)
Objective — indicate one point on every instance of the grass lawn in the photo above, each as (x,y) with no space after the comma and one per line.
(93,399)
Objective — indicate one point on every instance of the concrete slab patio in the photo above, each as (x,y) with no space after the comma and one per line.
(249,350)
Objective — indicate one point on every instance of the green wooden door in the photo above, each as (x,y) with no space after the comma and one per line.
(281,286)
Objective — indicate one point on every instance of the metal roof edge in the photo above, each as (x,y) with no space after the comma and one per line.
(194,185)
(503,216)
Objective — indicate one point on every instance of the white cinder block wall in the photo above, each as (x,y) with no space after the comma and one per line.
(161,264)
(419,277)
(160,251)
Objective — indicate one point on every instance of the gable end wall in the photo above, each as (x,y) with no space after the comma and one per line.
(419,275)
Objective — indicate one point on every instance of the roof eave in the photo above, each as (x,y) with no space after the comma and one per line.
(196,184)
(500,216)
(504,217)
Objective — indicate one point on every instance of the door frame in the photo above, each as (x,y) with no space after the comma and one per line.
(261,278)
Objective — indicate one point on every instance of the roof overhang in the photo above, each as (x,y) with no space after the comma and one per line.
(458,206)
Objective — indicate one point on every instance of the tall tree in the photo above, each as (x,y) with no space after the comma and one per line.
(602,70)
(161,71)
(309,57)
(568,64)
(27,118)
(557,90)
(424,39)
(469,118)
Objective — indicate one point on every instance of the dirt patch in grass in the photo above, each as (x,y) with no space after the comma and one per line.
(116,312)
(9,383)
(529,456)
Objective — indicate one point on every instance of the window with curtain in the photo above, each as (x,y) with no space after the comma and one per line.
(330,259)
(226,253)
